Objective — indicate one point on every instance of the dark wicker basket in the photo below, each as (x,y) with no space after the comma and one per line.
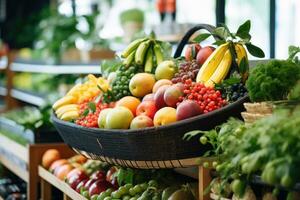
(155,147)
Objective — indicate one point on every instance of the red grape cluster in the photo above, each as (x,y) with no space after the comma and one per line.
(207,98)
(89,116)
(187,70)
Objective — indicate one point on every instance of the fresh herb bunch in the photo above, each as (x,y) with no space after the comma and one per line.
(268,148)
(273,80)
(120,85)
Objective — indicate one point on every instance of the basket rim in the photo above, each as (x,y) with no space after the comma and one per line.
(148,129)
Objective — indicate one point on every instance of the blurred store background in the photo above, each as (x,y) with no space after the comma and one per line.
(56,27)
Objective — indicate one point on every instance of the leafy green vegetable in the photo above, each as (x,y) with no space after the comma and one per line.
(295,92)
(269,148)
(272,81)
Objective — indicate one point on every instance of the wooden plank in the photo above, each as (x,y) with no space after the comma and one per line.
(23,174)
(46,193)
(14,148)
(61,185)
(204,181)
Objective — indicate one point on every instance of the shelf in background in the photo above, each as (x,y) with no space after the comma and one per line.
(3,91)
(3,63)
(16,150)
(68,68)
(28,97)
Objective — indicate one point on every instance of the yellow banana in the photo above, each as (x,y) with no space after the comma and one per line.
(71,115)
(211,63)
(63,101)
(132,47)
(141,52)
(74,89)
(61,110)
(222,70)
(241,53)
(158,54)
(149,61)
(129,59)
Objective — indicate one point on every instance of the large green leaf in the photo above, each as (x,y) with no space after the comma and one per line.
(243,30)
(255,51)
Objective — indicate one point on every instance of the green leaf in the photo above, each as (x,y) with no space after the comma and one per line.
(191,134)
(219,42)
(85,112)
(243,30)
(201,37)
(255,51)
(244,65)
(222,32)
(293,50)
(92,106)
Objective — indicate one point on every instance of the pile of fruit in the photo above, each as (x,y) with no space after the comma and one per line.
(97,180)
(151,89)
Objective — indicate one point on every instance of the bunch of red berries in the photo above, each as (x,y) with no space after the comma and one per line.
(207,98)
(89,112)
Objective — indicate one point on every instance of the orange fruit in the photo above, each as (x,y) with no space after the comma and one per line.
(61,172)
(49,157)
(129,102)
(57,163)
(78,159)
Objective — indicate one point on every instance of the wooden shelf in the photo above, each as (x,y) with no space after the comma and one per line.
(56,69)
(28,97)
(61,185)
(18,151)
(3,63)
(3,91)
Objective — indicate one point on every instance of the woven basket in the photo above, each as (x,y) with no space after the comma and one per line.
(154,147)
(256,111)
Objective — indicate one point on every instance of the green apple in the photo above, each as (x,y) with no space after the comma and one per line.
(141,84)
(119,118)
(165,70)
(102,117)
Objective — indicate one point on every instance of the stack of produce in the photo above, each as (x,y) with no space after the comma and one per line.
(150,89)
(97,180)
(12,188)
(67,107)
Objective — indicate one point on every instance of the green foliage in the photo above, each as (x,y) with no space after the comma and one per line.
(132,15)
(269,148)
(295,92)
(273,80)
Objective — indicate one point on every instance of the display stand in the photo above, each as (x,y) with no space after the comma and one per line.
(31,156)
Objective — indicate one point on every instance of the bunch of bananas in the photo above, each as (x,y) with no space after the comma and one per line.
(218,64)
(67,107)
(145,51)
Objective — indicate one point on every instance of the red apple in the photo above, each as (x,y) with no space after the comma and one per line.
(74,172)
(187,109)
(159,97)
(111,178)
(147,108)
(88,184)
(141,121)
(203,54)
(81,185)
(160,83)
(98,186)
(98,175)
(191,51)
(148,97)
(172,94)
(74,180)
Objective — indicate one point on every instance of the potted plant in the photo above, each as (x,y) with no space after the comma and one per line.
(132,21)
